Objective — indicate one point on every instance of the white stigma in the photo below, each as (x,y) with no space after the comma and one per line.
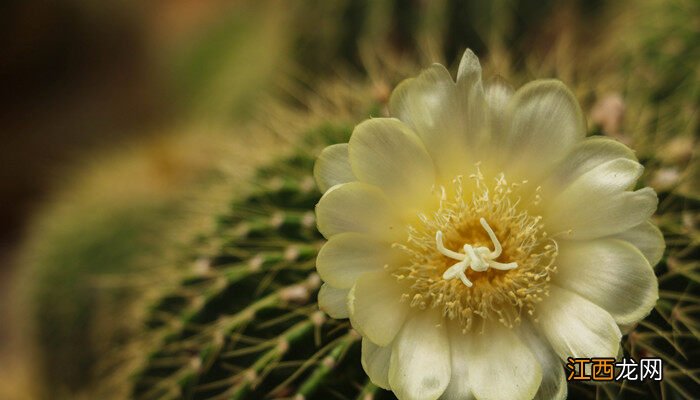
(479,259)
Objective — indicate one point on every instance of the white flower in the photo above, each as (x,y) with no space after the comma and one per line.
(478,238)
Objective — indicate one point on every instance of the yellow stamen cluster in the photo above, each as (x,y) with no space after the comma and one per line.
(499,294)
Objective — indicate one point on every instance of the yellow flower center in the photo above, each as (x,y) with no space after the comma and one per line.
(479,259)
(503,264)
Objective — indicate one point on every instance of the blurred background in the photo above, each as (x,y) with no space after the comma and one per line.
(131,98)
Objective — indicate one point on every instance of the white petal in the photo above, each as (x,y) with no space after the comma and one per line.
(598,204)
(610,273)
(577,328)
(420,101)
(459,388)
(375,307)
(469,70)
(553,386)
(447,116)
(546,122)
(333,167)
(348,255)
(357,207)
(647,238)
(473,109)
(498,93)
(585,156)
(375,361)
(500,365)
(385,153)
(420,358)
(333,301)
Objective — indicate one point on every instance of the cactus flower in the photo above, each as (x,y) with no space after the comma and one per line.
(478,238)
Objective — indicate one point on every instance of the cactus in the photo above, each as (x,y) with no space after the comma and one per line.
(244,325)
(103,233)
(241,322)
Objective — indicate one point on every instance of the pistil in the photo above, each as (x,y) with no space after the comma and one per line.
(479,259)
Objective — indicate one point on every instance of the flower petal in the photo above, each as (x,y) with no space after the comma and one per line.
(585,156)
(458,388)
(553,386)
(647,238)
(469,70)
(610,273)
(333,167)
(449,117)
(375,307)
(375,361)
(500,365)
(357,207)
(420,101)
(385,153)
(498,93)
(598,204)
(333,301)
(577,328)
(420,358)
(348,255)
(546,122)
(473,109)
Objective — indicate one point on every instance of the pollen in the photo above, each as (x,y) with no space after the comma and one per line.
(504,257)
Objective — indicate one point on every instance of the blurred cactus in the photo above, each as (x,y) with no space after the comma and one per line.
(243,322)
(104,233)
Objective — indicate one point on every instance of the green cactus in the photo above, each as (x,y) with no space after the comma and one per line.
(242,321)
(106,230)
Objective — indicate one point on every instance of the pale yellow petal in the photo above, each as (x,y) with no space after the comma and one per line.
(599,204)
(418,101)
(448,116)
(357,207)
(587,155)
(500,365)
(384,152)
(473,108)
(498,94)
(333,301)
(458,388)
(575,327)
(375,361)
(545,123)
(348,255)
(375,307)
(553,386)
(419,367)
(647,238)
(610,273)
(332,167)
(469,70)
